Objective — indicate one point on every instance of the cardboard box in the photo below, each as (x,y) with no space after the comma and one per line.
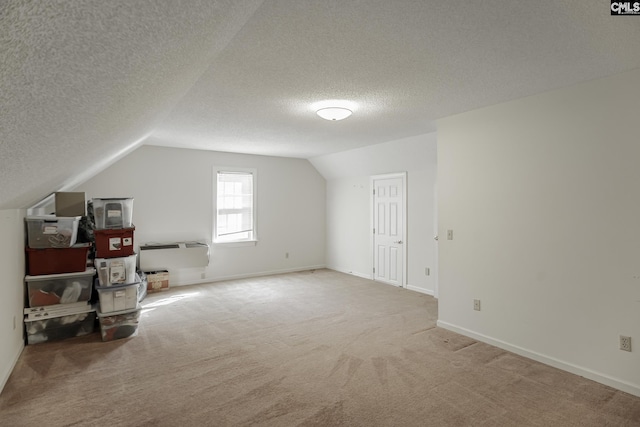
(70,203)
(157,280)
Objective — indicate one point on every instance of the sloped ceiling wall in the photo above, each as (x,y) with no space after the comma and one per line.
(79,83)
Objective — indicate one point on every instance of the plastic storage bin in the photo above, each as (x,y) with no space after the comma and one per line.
(122,324)
(57,310)
(52,289)
(118,298)
(52,231)
(142,289)
(58,328)
(57,261)
(114,243)
(116,271)
(113,213)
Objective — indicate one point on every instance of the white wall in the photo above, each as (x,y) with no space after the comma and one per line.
(348,230)
(172,190)
(349,205)
(12,290)
(543,195)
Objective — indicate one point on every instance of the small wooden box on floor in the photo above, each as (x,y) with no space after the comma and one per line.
(157,280)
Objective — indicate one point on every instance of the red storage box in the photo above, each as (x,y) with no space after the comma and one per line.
(57,261)
(114,243)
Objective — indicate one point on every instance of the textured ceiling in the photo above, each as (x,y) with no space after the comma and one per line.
(83,82)
(80,81)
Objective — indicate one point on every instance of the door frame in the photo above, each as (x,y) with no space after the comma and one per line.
(405,239)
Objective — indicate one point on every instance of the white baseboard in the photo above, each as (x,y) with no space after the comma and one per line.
(547,360)
(421,290)
(353,273)
(247,276)
(361,275)
(12,365)
(370,277)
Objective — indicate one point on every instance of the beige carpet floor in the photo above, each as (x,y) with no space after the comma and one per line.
(303,349)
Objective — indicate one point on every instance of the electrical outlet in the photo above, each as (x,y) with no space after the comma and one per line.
(476,304)
(625,343)
(449,234)
(427,271)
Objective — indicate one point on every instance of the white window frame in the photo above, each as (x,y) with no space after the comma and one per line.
(253,239)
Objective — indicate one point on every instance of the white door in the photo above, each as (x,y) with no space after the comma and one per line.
(389,228)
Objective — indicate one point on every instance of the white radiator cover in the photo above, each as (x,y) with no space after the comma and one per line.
(167,256)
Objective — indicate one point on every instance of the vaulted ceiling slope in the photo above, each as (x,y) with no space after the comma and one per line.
(81,83)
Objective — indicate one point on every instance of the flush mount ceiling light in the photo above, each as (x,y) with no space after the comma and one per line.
(334,113)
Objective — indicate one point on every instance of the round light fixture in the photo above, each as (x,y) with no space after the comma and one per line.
(334,113)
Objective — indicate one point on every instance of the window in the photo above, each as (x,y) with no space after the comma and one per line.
(234,219)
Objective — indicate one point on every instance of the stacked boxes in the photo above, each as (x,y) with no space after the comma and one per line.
(58,327)
(58,281)
(117,283)
(51,247)
(114,243)
(113,214)
(116,271)
(53,289)
(120,324)
(50,231)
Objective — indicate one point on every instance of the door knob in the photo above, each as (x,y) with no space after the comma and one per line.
(399,242)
